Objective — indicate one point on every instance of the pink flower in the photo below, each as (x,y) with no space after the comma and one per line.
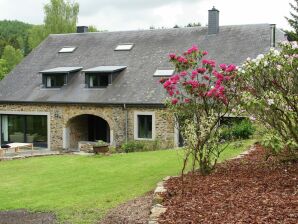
(223,67)
(231,68)
(227,77)
(218,75)
(186,100)
(172,56)
(183,73)
(205,53)
(209,62)
(194,72)
(175,101)
(206,77)
(201,70)
(167,84)
(182,59)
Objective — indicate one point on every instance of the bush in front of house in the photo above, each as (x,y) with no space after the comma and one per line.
(140,146)
(237,129)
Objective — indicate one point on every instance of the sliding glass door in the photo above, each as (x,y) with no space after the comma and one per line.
(24,129)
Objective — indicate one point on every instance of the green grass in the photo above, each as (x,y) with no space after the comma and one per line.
(81,189)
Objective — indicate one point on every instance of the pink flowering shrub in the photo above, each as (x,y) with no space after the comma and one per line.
(200,93)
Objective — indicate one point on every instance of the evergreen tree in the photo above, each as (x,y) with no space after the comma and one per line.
(293,21)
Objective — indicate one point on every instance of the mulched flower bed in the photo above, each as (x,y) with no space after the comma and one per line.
(248,190)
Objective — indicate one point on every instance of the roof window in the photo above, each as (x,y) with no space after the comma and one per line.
(124,47)
(67,49)
(164,72)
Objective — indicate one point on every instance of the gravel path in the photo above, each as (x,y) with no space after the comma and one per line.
(136,211)
(25,217)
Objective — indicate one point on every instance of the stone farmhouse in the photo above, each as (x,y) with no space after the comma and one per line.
(90,86)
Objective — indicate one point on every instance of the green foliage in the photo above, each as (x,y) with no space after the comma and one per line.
(293,22)
(61,16)
(12,56)
(36,35)
(269,86)
(140,146)
(3,68)
(14,33)
(101,143)
(92,28)
(236,129)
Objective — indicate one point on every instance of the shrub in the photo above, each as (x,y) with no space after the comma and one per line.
(140,146)
(269,92)
(133,146)
(237,129)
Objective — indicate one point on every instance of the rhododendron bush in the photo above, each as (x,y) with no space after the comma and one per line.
(269,86)
(200,93)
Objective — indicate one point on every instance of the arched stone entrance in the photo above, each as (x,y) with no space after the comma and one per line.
(86,127)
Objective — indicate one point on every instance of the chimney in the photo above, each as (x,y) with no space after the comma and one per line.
(82,29)
(213,21)
(272,36)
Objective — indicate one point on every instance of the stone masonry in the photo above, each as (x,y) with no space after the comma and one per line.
(61,114)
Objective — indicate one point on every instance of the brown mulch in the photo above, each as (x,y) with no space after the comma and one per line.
(248,190)
(25,217)
(136,211)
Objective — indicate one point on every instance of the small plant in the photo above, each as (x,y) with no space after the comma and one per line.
(133,146)
(101,143)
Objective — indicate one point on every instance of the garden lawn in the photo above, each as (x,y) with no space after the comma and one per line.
(80,189)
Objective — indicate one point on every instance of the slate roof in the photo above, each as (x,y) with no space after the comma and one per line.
(136,84)
(61,70)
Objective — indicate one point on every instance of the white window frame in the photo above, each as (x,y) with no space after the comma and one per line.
(164,72)
(67,49)
(124,47)
(136,113)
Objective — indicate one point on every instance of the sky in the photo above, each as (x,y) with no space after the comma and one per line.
(141,14)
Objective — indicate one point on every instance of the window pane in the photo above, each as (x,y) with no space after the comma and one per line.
(36,131)
(145,126)
(54,81)
(98,80)
(16,128)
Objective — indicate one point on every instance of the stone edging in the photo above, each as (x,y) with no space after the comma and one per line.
(157,209)
(5,158)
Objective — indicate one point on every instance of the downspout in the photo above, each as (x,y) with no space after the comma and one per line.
(273,34)
(126,123)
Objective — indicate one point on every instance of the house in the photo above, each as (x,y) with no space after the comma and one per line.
(89,86)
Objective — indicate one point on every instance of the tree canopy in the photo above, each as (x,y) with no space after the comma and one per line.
(293,21)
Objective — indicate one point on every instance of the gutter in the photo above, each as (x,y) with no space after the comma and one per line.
(158,105)
(126,122)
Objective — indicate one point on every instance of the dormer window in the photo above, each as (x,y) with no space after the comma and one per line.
(163,72)
(124,47)
(102,76)
(67,49)
(98,80)
(58,77)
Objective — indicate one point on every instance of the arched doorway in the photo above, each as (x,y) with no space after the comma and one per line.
(86,127)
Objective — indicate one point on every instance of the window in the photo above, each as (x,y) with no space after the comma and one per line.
(124,47)
(164,72)
(97,80)
(144,125)
(55,81)
(67,49)
(24,128)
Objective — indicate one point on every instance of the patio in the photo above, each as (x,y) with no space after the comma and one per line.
(10,154)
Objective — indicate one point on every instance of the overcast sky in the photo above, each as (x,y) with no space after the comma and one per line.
(141,14)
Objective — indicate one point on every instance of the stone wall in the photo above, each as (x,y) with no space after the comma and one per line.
(60,114)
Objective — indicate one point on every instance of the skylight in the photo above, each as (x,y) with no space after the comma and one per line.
(124,47)
(164,72)
(67,49)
